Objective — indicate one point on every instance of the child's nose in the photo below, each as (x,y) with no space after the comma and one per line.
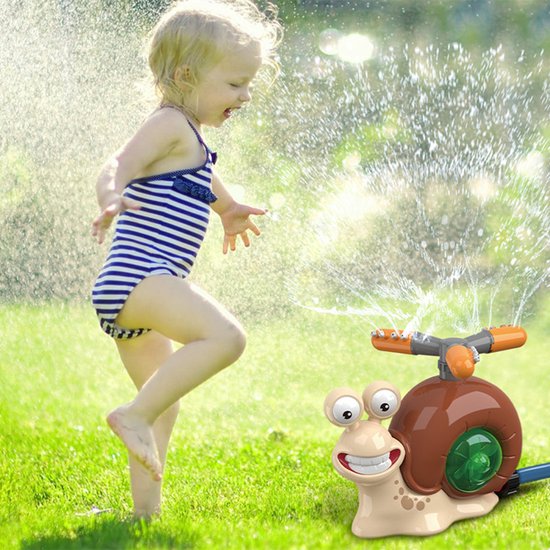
(245,95)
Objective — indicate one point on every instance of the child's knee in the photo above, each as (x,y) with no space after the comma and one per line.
(233,341)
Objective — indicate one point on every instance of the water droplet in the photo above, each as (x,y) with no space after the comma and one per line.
(328,41)
(355,48)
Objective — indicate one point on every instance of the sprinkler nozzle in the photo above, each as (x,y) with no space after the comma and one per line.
(396,342)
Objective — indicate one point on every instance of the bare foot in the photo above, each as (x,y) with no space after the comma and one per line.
(146,515)
(138,438)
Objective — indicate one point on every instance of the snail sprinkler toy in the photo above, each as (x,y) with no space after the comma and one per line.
(452,447)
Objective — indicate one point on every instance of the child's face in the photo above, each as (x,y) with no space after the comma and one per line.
(226,86)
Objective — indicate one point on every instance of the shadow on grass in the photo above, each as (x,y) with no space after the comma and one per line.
(110,533)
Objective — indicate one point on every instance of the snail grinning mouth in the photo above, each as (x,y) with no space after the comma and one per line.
(369,465)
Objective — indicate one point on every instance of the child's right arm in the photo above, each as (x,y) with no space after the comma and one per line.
(109,188)
(153,145)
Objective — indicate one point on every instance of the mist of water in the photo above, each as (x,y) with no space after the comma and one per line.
(433,189)
(69,88)
(409,188)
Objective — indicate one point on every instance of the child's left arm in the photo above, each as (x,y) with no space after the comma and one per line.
(235,216)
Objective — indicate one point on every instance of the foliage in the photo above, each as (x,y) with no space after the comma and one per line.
(475,24)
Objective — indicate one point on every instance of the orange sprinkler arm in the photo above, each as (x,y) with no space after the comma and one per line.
(507,337)
(386,339)
(397,341)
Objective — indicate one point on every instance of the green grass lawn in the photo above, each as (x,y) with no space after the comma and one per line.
(250,460)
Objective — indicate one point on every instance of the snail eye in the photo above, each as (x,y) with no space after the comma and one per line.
(384,403)
(346,410)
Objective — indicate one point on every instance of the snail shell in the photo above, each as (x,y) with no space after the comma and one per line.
(435,413)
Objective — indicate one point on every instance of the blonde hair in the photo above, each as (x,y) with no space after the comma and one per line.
(197,34)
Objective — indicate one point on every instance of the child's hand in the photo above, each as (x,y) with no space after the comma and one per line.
(106,217)
(236,221)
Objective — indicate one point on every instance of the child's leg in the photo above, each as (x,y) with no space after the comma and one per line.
(213,340)
(142,356)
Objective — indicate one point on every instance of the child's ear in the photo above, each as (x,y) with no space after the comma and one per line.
(183,76)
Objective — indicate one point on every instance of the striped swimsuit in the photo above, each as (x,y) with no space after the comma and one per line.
(162,238)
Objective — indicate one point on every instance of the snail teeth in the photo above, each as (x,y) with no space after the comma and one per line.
(367,460)
(369,465)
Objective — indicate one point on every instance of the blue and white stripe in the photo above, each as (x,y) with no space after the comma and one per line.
(162,238)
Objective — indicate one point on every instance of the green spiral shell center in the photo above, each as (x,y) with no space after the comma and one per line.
(473,460)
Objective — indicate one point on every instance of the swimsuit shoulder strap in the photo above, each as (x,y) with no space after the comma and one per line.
(179,109)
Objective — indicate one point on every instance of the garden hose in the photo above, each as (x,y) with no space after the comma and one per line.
(522,476)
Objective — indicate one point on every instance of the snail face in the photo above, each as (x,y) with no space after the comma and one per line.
(366,453)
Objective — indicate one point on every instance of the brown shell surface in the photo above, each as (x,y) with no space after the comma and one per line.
(435,412)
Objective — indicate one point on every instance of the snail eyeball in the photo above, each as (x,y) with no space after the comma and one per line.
(381,400)
(346,410)
(343,407)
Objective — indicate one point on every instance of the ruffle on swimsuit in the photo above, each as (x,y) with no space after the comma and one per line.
(195,190)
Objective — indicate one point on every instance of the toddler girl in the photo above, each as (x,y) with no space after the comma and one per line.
(204,55)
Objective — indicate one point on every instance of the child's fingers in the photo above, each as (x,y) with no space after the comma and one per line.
(254,228)
(98,232)
(244,237)
(103,222)
(96,225)
(257,211)
(229,243)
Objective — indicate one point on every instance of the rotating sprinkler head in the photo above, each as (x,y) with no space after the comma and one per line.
(457,356)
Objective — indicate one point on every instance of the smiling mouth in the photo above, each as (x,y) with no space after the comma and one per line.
(369,465)
(229,111)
